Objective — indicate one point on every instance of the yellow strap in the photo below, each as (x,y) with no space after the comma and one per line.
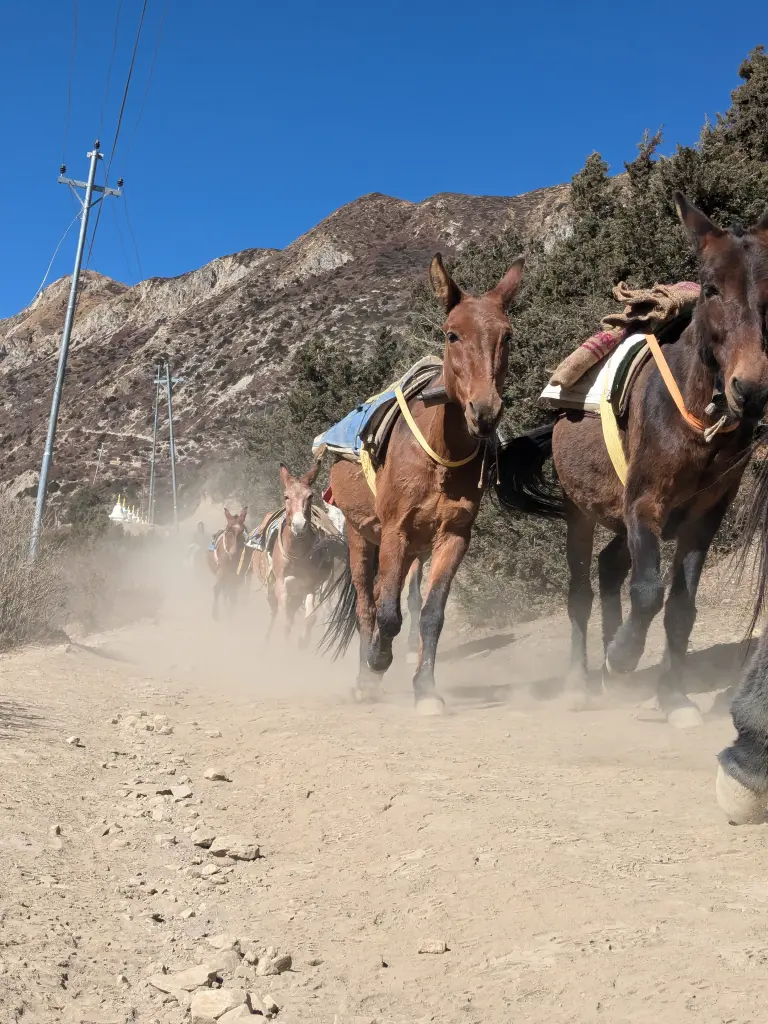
(242,558)
(368,471)
(420,437)
(611,433)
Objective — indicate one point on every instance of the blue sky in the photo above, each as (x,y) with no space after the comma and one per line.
(264,118)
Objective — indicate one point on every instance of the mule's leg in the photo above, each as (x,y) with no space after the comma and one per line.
(691,551)
(613,565)
(273,606)
(362,564)
(389,617)
(293,602)
(414,610)
(742,778)
(646,589)
(581,532)
(310,613)
(216,595)
(448,551)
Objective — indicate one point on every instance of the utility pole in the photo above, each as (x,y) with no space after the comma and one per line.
(158,382)
(98,464)
(87,205)
(169,382)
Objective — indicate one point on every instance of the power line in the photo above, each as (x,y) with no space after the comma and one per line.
(122,243)
(149,80)
(55,252)
(133,237)
(111,63)
(119,125)
(69,84)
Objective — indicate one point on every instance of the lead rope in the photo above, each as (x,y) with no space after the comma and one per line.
(482,467)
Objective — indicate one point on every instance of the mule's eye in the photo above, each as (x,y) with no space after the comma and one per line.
(506,338)
(451,336)
(711,291)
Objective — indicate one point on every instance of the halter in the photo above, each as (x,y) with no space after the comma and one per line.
(610,426)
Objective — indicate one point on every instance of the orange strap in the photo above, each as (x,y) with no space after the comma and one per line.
(674,390)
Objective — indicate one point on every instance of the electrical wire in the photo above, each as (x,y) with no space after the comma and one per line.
(149,80)
(111,64)
(122,242)
(69,83)
(119,125)
(55,253)
(133,237)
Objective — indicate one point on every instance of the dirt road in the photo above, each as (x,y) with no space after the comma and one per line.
(573,867)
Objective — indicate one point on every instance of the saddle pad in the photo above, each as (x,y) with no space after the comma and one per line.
(614,372)
(368,425)
(215,540)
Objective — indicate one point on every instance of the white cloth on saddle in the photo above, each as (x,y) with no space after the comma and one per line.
(585,393)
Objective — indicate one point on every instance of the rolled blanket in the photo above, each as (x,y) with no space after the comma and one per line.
(645,310)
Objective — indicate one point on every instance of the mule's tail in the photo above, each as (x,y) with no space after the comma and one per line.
(521,485)
(342,622)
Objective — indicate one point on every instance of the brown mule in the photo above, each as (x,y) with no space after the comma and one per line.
(422,507)
(224,560)
(679,484)
(302,559)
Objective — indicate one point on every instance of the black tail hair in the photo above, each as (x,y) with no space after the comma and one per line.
(521,484)
(754,528)
(343,619)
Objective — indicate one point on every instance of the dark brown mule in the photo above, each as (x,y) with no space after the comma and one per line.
(302,559)
(224,560)
(679,485)
(422,507)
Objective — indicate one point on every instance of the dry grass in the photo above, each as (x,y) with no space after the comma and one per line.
(32,598)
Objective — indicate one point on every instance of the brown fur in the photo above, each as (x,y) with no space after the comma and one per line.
(295,578)
(420,507)
(678,485)
(224,560)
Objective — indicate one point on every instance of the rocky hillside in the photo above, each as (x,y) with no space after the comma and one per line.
(229,329)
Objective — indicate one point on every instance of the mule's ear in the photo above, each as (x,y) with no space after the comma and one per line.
(285,476)
(311,476)
(700,228)
(243,514)
(507,287)
(229,517)
(447,292)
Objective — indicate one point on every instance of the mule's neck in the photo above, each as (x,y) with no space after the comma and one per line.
(695,379)
(447,433)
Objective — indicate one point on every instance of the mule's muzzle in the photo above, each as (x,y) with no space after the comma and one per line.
(748,398)
(483,417)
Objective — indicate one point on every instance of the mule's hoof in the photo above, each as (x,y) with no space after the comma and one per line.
(365,695)
(687,717)
(412,658)
(379,661)
(430,707)
(740,805)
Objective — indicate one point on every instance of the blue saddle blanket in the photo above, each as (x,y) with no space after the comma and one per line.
(359,428)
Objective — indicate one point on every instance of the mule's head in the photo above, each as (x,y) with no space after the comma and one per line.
(298,499)
(477,337)
(732,313)
(234,535)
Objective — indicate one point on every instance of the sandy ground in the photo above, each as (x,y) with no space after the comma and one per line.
(574,867)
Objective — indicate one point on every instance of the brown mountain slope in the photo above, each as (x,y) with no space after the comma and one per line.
(229,329)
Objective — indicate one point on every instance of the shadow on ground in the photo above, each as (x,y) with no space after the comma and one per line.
(718,667)
(15,718)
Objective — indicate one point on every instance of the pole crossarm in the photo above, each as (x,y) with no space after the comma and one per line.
(84,184)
